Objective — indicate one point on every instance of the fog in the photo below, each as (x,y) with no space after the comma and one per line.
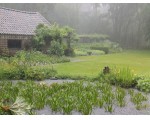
(127,24)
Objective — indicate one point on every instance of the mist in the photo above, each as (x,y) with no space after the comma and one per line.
(126,23)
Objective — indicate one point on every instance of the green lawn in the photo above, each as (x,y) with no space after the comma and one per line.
(139,61)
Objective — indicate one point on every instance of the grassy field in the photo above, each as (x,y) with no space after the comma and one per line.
(90,66)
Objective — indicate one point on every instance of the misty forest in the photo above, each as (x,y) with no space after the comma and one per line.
(74,59)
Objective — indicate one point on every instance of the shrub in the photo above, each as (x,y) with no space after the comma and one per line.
(80,52)
(23,70)
(106,46)
(4,52)
(84,52)
(89,53)
(93,37)
(57,59)
(105,49)
(34,58)
(11,72)
(97,52)
(35,73)
(144,85)
(56,49)
(69,52)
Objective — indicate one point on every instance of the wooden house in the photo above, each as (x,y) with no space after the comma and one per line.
(17,28)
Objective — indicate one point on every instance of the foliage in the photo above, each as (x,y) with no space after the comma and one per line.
(25,64)
(84,52)
(105,46)
(70,35)
(56,49)
(80,52)
(17,72)
(19,107)
(144,85)
(34,58)
(105,49)
(4,52)
(74,99)
(93,37)
(46,35)
(42,34)
(69,52)
(57,59)
(121,77)
(138,99)
(120,96)
(63,98)
(35,73)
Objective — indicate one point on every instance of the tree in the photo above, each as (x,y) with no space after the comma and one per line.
(146,20)
(42,37)
(46,34)
(126,24)
(70,36)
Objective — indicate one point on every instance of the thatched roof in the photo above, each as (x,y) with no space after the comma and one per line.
(19,22)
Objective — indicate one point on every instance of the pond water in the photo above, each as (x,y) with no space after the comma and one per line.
(129,108)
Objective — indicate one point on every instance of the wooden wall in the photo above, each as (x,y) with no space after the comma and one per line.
(5,37)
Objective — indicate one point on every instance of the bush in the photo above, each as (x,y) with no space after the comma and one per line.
(56,49)
(97,52)
(34,58)
(11,72)
(144,85)
(106,46)
(32,73)
(56,59)
(80,52)
(84,52)
(121,77)
(105,49)
(69,52)
(20,69)
(4,52)
(39,74)
(93,37)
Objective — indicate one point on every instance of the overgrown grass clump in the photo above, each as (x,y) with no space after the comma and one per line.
(123,77)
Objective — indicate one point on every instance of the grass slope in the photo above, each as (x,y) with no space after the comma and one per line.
(92,65)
